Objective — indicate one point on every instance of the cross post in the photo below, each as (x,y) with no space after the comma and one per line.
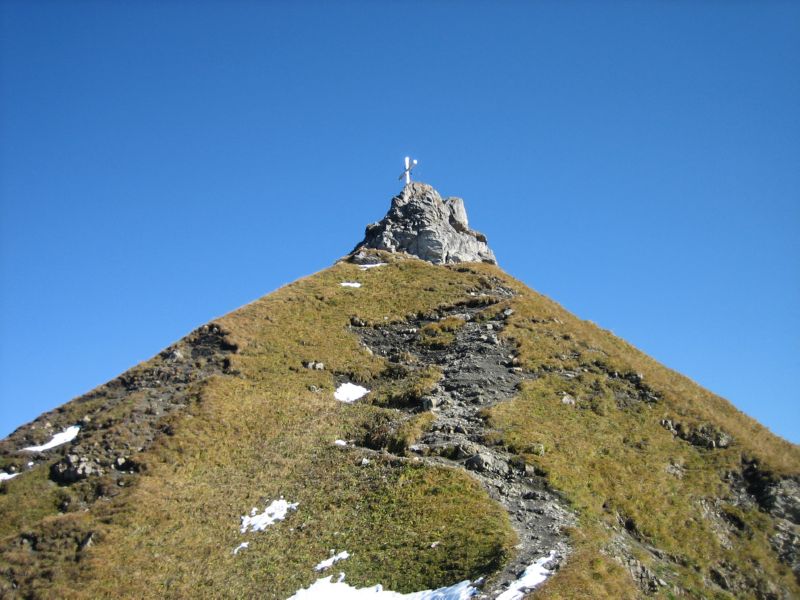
(410,164)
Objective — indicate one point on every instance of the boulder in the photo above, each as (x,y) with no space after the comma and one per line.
(485,462)
(73,468)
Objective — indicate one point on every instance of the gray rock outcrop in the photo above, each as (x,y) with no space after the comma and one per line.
(419,222)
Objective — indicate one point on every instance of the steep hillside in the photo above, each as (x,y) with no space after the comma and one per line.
(499,431)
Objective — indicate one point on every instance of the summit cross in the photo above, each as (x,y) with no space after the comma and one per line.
(410,164)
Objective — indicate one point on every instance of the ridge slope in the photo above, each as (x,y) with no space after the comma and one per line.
(498,428)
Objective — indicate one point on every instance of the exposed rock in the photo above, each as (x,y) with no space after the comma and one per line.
(705,436)
(143,398)
(314,365)
(486,462)
(430,402)
(458,214)
(786,544)
(719,578)
(475,375)
(675,469)
(784,500)
(629,388)
(645,579)
(419,222)
(753,487)
(365,259)
(73,468)
(537,449)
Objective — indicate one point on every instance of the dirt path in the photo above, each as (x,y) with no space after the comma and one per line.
(478,371)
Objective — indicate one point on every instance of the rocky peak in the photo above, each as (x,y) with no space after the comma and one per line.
(421,223)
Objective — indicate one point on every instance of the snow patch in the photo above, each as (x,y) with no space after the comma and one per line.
(352,284)
(272,513)
(69,434)
(241,546)
(533,576)
(326,589)
(349,392)
(326,564)
(365,267)
(340,443)
(6,476)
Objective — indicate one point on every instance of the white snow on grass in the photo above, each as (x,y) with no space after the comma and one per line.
(69,434)
(340,443)
(366,267)
(349,392)
(326,564)
(533,576)
(272,513)
(6,476)
(326,589)
(352,284)
(240,547)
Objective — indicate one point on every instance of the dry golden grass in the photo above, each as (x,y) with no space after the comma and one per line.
(254,437)
(612,462)
(589,574)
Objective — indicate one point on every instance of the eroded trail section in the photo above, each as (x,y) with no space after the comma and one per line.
(478,370)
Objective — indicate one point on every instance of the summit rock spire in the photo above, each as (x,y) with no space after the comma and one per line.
(421,223)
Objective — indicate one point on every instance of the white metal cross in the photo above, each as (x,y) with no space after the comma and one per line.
(410,164)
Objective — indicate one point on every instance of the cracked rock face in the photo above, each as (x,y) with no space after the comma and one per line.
(419,222)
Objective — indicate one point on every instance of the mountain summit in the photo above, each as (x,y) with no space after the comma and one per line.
(411,417)
(419,222)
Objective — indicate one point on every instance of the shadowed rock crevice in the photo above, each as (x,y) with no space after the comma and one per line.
(779,497)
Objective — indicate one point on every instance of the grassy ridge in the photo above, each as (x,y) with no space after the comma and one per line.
(269,432)
(266,434)
(613,462)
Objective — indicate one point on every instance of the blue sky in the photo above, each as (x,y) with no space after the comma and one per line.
(162,163)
